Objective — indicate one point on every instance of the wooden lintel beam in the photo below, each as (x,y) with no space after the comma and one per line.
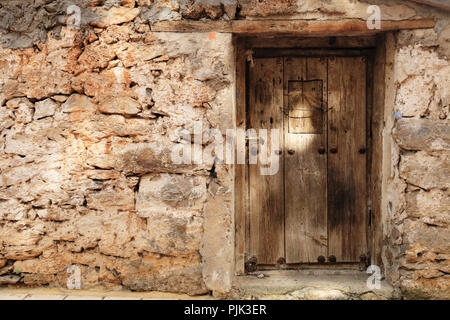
(298,27)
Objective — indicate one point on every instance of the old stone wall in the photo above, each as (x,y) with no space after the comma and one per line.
(90,115)
(88,123)
(417,203)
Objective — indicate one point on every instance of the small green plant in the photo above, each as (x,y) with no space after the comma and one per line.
(17,270)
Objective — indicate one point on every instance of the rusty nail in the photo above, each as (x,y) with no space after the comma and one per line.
(333,150)
(321,259)
(332,258)
(321,150)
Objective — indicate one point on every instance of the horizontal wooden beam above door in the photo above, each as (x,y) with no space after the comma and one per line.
(298,27)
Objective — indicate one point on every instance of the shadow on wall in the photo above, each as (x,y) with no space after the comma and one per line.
(24,22)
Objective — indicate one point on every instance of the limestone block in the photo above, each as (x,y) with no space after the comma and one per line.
(139,158)
(45,108)
(412,102)
(95,55)
(422,134)
(22,109)
(161,193)
(78,103)
(267,8)
(115,15)
(430,207)
(430,237)
(172,232)
(120,105)
(182,279)
(424,170)
(6,118)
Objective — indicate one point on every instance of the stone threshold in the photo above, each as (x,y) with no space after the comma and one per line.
(310,285)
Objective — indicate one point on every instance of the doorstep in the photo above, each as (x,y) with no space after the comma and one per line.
(310,285)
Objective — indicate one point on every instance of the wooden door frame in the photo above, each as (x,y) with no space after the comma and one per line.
(371,46)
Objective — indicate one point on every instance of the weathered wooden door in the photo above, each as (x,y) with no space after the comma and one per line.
(314,210)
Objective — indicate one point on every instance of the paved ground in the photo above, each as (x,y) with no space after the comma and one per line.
(59,294)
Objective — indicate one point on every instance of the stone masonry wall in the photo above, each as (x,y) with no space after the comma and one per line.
(87,129)
(89,118)
(418,198)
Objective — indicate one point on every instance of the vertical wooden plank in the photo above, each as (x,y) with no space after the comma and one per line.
(347,188)
(240,170)
(378,92)
(305,166)
(266,191)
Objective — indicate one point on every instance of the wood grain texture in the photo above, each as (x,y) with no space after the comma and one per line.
(266,191)
(287,42)
(347,187)
(240,170)
(378,87)
(305,167)
(344,27)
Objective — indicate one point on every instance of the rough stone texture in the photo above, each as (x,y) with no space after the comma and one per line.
(86,174)
(310,285)
(418,229)
(89,118)
(422,134)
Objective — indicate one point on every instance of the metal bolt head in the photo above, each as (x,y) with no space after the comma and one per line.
(332,259)
(321,259)
(281,260)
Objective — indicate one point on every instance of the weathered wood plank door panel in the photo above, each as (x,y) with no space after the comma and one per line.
(347,187)
(316,204)
(305,158)
(266,191)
